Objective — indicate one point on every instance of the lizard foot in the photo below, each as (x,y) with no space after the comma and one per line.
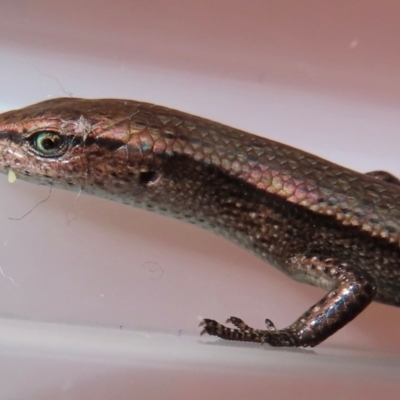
(245,333)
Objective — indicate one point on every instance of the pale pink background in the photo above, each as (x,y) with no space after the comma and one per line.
(79,274)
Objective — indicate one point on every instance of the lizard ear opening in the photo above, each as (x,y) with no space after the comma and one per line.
(148,177)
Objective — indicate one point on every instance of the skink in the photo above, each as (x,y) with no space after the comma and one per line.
(317,222)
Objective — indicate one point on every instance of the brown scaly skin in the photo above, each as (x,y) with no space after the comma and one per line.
(319,223)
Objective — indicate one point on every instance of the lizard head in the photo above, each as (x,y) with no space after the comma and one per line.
(75,143)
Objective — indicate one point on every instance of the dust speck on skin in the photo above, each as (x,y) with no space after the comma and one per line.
(12,177)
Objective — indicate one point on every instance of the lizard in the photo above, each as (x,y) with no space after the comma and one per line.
(318,222)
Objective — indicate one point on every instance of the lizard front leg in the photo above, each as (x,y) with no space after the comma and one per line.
(350,291)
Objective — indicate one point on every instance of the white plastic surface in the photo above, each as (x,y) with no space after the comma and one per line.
(100,300)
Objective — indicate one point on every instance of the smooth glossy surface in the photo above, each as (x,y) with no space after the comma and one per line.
(82,363)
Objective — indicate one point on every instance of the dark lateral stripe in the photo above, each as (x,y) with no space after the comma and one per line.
(107,143)
(13,136)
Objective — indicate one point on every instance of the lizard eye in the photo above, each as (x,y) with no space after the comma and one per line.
(48,144)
